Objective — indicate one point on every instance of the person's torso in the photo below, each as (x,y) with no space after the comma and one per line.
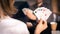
(13,26)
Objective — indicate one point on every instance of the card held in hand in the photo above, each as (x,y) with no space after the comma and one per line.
(42,13)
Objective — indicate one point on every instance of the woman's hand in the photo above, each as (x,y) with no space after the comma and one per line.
(42,25)
(29,24)
(29,13)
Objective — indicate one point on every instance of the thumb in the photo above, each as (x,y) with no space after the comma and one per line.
(40,21)
(45,22)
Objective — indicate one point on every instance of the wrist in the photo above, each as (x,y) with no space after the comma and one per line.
(37,31)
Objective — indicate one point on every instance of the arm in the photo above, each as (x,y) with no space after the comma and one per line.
(41,27)
(55,7)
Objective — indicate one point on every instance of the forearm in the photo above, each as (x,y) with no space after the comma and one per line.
(37,32)
(54,7)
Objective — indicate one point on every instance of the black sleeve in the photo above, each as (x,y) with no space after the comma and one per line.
(20,15)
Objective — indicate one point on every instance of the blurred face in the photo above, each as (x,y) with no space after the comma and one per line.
(39,1)
(31,2)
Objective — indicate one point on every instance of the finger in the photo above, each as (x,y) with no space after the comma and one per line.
(41,21)
(45,22)
(24,9)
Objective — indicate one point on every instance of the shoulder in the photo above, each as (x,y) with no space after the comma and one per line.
(11,21)
(16,20)
(21,23)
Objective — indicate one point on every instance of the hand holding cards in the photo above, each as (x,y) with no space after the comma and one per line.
(42,13)
(27,10)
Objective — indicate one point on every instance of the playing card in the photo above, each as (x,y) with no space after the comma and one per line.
(42,13)
(46,13)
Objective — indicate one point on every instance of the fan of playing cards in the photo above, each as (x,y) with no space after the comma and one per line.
(42,13)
